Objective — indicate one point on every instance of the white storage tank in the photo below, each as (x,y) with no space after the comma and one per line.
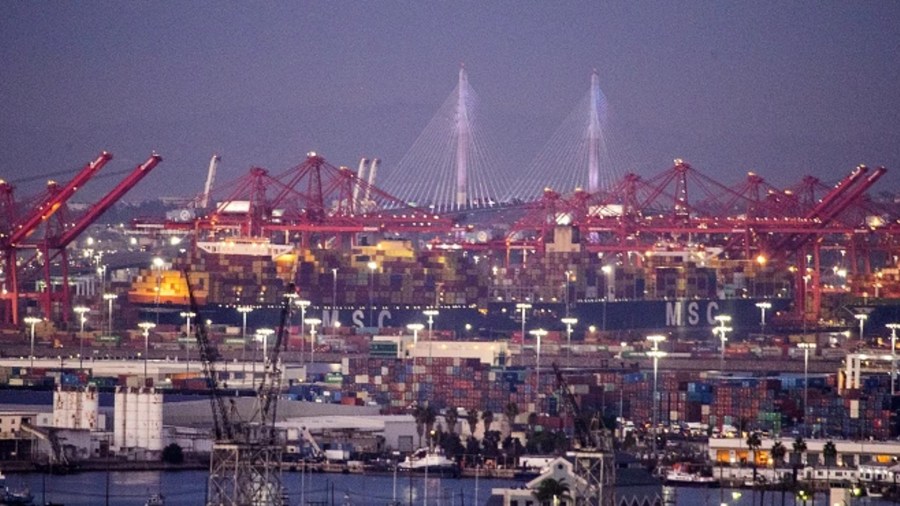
(119,418)
(154,421)
(90,409)
(131,418)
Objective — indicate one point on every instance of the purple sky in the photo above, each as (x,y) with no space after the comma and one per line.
(782,88)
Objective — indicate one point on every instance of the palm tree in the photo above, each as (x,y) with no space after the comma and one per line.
(754,441)
(799,449)
(472,419)
(451,416)
(829,452)
(778,453)
(511,411)
(549,489)
(488,418)
(429,417)
(418,414)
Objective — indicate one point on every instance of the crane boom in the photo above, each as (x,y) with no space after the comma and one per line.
(210,179)
(107,201)
(21,230)
(222,425)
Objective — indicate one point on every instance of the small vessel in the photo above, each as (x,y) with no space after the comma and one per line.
(8,496)
(683,476)
(427,459)
(156,500)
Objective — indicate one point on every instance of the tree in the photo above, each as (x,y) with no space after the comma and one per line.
(429,417)
(419,415)
(451,416)
(549,489)
(472,420)
(829,452)
(799,447)
(173,454)
(778,453)
(511,411)
(488,418)
(754,441)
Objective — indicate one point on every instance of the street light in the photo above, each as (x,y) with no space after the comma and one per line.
(109,298)
(430,313)
(146,326)
(187,315)
(32,320)
(372,266)
(806,347)
(569,321)
(862,317)
(892,326)
(302,304)
(244,310)
(607,271)
(81,310)
(263,335)
(334,287)
(312,322)
(762,308)
(157,266)
(523,306)
(722,330)
(568,279)
(538,333)
(656,354)
(415,327)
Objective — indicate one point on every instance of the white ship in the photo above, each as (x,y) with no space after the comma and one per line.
(425,458)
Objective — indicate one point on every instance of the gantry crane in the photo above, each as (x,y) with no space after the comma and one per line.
(245,463)
(593,458)
(21,228)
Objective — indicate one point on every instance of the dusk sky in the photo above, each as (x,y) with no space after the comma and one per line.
(781,88)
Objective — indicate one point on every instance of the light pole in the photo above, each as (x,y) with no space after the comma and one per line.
(892,326)
(109,298)
(372,266)
(656,354)
(81,310)
(32,321)
(568,278)
(302,304)
(244,310)
(569,321)
(430,313)
(763,306)
(157,267)
(334,287)
(523,307)
(262,335)
(538,333)
(415,327)
(312,322)
(187,315)
(146,326)
(806,347)
(607,271)
(862,317)
(722,330)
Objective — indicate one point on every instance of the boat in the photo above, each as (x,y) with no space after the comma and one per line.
(683,477)
(10,497)
(156,500)
(425,459)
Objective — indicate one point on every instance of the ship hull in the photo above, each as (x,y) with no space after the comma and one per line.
(678,317)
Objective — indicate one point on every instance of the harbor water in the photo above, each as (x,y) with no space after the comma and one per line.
(188,488)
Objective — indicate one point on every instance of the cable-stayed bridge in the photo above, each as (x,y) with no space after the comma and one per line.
(453,166)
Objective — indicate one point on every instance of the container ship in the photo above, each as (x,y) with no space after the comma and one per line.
(389,283)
